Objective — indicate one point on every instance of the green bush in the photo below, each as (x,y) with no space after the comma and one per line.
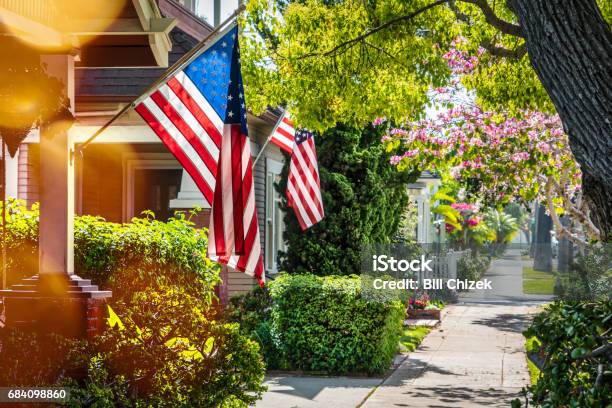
(131,256)
(589,277)
(472,267)
(569,333)
(252,311)
(166,358)
(326,324)
(364,199)
(174,349)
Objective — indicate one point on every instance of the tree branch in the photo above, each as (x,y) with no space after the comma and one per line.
(348,44)
(489,14)
(516,53)
(492,18)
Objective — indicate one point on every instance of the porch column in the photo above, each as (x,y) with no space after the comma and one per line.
(56,239)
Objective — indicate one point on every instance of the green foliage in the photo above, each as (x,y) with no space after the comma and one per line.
(504,225)
(303,59)
(589,277)
(472,267)
(40,359)
(504,228)
(569,332)
(354,85)
(412,337)
(253,311)
(124,257)
(363,197)
(163,358)
(532,346)
(21,240)
(327,324)
(172,348)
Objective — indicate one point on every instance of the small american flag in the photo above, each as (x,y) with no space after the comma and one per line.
(200,115)
(303,185)
(284,134)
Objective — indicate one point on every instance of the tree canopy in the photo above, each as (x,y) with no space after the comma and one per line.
(353,61)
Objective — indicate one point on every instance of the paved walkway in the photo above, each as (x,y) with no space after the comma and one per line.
(316,392)
(475,358)
(506,276)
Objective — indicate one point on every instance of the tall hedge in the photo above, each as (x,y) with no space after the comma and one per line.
(363,196)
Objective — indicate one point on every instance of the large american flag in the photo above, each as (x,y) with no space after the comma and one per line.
(303,185)
(200,115)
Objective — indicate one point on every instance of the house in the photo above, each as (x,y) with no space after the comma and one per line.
(127,170)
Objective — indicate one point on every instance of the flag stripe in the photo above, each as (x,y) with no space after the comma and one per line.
(187,131)
(210,120)
(307,175)
(284,134)
(201,126)
(176,150)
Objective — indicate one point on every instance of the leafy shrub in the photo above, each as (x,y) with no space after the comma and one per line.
(125,257)
(569,333)
(163,358)
(472,267)
(589,277)
(326,324)
(252,311)
(154,357)
(21,240)
(173,349)
(40,359)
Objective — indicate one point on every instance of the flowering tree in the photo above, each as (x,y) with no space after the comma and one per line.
(499,157)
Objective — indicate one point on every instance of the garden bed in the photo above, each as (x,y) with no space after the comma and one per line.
(425,314)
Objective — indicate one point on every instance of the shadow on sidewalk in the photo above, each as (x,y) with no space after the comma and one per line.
(506,322)
(449,396)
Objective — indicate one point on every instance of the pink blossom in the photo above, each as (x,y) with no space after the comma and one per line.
(379,121)
(543,147)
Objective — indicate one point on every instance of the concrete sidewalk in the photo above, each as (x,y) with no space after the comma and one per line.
(474,359)
(316,392)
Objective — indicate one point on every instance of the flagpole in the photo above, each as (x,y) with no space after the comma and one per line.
(177,66)
(269,137)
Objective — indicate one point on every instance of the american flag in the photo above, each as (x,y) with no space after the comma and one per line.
(303,185)
(284,133)
(200,115)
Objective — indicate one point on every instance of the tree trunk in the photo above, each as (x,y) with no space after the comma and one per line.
(542,258)
(566,250)
(570,47)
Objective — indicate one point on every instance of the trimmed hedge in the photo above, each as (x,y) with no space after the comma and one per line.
(326,324)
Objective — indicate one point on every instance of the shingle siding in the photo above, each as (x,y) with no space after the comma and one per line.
(128,81)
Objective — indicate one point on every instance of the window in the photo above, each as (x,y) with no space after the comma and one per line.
(275,225)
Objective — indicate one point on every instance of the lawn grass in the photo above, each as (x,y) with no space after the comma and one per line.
(412,337)
(532,344)
(537,283)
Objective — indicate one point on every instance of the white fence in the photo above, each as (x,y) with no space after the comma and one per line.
(444,266)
